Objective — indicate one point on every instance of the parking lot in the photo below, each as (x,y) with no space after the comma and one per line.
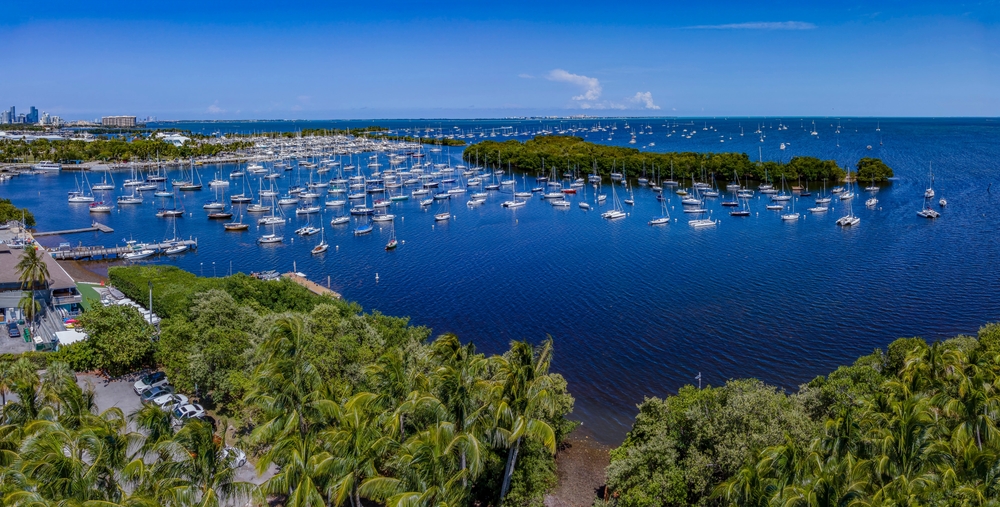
(119,393)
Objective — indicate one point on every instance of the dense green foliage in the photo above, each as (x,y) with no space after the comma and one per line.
(357,406)
(174,289)
(870,169)
(110,150)
(570,153)
(915,425)
(119,337)
(10,212)
(683,446)
(58,450)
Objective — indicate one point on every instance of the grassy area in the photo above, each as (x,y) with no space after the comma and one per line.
(90,295)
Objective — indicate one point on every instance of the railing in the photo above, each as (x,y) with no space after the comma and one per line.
(67,300)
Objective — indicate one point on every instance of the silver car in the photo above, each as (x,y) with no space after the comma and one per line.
(155,392)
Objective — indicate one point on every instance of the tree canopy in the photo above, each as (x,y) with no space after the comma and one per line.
(914,425)
(565,153)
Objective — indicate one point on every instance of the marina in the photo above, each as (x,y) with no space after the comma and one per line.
(736,283)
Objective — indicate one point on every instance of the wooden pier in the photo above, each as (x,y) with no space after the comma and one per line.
(313,287)
(94,253)
(96,226)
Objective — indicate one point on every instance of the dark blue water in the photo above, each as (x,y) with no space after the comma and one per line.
(637,310)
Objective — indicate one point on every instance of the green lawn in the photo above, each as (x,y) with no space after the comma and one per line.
(90,295)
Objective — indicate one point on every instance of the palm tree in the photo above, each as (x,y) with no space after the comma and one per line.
(521,391)
(208,479)
(462,389)
(32,271)
(296,407)
(356,445)
(429,470)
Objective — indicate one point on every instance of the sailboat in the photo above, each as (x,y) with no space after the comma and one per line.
(849,219)
(82,193)
(105,184)
(791,215)
(446,214)
(744,211)
(188,184)
(392,244)
(664,218)
(176,246)
(617,211)
(322,246)
(929,193)
(270,238)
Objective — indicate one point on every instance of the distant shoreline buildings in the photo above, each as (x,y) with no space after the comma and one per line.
(10,116)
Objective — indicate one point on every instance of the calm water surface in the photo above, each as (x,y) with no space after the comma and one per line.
(636,310)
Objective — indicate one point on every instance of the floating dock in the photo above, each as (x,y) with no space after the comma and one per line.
(96,226)
(100,252)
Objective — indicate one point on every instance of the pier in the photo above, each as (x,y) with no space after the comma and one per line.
(96,226)
(101,252)
(313,287)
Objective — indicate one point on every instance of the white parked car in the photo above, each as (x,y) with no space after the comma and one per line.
(239,458)
(149,381)
(155,392)
(187,411)
(170,401)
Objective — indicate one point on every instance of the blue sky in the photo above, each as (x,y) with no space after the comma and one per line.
(318,60)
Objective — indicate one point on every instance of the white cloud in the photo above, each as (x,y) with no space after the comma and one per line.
(525,76)
(590,85)
(215,109)
(764,25)
(644,98)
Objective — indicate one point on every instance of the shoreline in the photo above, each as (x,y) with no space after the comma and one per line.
(581,463)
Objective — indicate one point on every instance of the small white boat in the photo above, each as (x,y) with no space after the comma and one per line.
(702,222)
(928,212)
(307,230)
(336,203)
(818,209)
(100,207)
(613,214)
(271,221)
(943,203)
(176,249)
(584,205)
(790,216)
(340,221)
(871,202)
(139,254)
(307,210)
(270,238)
(440,217)
(848,221)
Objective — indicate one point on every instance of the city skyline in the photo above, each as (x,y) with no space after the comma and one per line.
(246,61)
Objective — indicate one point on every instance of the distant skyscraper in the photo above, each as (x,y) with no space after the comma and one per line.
(32,116)
(4,116)
(13,116)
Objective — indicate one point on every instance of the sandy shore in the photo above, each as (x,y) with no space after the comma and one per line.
(580,466)
(80,273)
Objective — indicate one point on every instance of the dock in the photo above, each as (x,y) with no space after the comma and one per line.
(96,226)
(100,252)
(313,287)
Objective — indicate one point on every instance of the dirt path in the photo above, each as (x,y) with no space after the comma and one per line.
(580,466)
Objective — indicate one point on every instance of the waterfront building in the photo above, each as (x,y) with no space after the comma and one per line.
(118,121)
(59,294)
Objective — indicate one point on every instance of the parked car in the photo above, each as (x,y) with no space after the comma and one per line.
(169,401)
(151,380)
(239,458)
(155,392)
(185,412)
(13,331)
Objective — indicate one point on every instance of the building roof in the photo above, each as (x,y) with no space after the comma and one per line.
(9,279)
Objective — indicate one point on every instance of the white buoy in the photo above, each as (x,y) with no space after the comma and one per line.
(376,277)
